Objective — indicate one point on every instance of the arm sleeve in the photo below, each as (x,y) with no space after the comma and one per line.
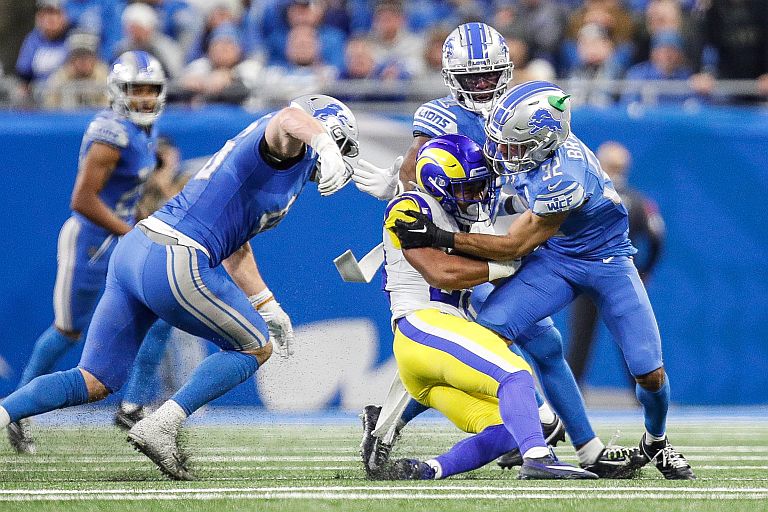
(558,197)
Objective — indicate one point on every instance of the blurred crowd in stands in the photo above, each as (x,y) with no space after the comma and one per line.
(240,52)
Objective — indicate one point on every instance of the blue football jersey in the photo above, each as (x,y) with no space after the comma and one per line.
(137,161)
(445,116)
(236,194)
(573,181)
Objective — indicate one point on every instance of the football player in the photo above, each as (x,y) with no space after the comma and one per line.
(117,155)
(573,239)
(168,266)
(444,359)
(476,69)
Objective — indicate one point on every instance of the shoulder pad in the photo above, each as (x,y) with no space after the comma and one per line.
(108,130)
(434,120)
(560,196)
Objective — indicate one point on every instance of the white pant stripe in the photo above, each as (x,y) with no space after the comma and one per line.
(66,257)
(463,342)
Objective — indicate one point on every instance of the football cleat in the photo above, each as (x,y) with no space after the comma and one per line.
(667,460)
(617,462)
(126,418)
(20,436)
(159,443)
(373,450)
(408,469)
(550,468)
(553,433)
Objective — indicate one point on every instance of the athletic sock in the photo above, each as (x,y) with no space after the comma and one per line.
(412,410)
(655,407)
(590,452)
(5,418)
(474,452)
(170,414)
(217,374)
(47,393)
(546,414)
(560,388)
(519,413)
(49,347)
(139,389)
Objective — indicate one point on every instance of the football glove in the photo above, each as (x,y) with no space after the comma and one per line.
(333,173)
(278,322)
(421,232)
(379,182)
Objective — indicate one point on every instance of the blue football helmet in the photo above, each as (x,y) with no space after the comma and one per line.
(476,66)
(526,126)
(453,170)
(132,69)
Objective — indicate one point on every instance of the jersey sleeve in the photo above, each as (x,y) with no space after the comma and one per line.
(433,120)
(109,131)
(561,196)
(396,211)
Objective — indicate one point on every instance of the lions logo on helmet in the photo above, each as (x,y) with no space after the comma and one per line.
(131,74)
(526,126)
(476,66)
(335,116)
(452,169)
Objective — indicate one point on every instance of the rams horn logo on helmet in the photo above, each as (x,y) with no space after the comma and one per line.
(541,119)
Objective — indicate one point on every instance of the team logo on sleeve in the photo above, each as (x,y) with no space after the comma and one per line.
(542,119)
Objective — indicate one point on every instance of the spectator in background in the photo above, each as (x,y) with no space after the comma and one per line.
(44,49)
(738,31)
(359,63)
(543,22)
(596,66)
(667,62)
(222,75)
(219,14)
(140,24)
(393,45)
(98,17)
(613,18)
(646,230)
(80,81)
(525,69)
(667,16)
(177,20)
(286,15)
(304,72)
(432,65)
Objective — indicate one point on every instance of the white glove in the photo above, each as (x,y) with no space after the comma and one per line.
(332,169)
(278,321)
(501,269)
(376,181)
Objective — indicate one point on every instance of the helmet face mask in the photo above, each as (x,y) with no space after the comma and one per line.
(476,66)
(452,169)
(526,126)
(137,88)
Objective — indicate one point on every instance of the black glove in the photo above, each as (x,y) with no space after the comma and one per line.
(422,232)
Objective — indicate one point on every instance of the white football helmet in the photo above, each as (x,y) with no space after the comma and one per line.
(335,116)
(526,126)
(476,66)
(129,70)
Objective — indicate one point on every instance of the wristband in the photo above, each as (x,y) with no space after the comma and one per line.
(261,298)
(501,269)
(444,238)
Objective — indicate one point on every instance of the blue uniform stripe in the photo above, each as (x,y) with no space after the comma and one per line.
(142,60)
(462,354)
(475,47)
(201,288)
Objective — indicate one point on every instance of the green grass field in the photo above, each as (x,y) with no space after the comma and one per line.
(295,467)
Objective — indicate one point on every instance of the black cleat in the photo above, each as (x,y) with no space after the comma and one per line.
(668,461)
(617,462)
(408,469)
(553,433)
(125,419)
(550,468)
(20,436)
(373,450)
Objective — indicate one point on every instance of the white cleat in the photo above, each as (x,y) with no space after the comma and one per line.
(159,442)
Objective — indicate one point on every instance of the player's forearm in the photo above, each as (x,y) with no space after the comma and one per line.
(492,247)
(450,272)
(94,209)
(241,267)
